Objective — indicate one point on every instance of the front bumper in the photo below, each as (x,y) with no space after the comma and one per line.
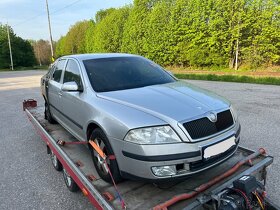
(156,179)
(136,161)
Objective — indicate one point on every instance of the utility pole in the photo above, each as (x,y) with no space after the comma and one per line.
(50,30)
(236,55)
(237,44)
(10,47)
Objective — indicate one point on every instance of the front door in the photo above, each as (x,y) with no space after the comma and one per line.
(72,102)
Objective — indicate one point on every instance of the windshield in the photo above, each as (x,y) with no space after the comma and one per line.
(120,73)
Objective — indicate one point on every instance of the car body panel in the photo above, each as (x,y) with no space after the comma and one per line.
(54,89)
(188,100)
(120,119)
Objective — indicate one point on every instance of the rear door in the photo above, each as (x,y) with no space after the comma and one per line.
(54,89)
(72,102)
(45,81)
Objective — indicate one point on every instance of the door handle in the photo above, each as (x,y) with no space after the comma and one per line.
(60,94)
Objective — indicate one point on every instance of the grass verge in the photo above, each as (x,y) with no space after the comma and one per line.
(231,78)
(45,67)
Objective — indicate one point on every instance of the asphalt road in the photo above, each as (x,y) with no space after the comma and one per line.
(28,180)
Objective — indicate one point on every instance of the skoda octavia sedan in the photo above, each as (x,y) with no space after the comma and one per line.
(155,126)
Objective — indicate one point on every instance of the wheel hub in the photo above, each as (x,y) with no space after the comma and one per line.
(68,178)
(53,158)
(100,162)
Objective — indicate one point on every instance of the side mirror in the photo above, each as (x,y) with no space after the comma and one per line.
(70,86)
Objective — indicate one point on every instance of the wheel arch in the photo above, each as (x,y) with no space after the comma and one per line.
(91,126)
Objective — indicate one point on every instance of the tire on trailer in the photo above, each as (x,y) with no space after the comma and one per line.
(70,183)
(55,162)
(102,141)
(48,114)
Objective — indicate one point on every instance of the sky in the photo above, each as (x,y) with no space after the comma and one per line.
(28,18)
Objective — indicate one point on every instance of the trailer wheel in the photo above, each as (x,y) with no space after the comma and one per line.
(48,114)
(70,183)
(102,141)
(55,162)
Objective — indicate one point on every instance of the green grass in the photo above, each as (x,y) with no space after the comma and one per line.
(27,68)
(4,70)
(231,78)
(209,69)
(241,69)
(44,67)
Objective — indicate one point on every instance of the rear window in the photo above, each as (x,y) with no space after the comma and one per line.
(58,70)
(120,73)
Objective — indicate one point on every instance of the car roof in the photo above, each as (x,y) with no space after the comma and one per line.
(98,56)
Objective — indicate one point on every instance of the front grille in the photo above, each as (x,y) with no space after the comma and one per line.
(203,127)
(198,165)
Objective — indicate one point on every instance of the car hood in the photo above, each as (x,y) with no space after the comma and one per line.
(178,100)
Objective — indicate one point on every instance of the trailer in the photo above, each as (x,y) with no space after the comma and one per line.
(210,189)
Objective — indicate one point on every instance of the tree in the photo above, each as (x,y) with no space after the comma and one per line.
(60,47)
(157,36)
(226,33)
(262,34)
(23,54)
(101,14)
(135,26)
(89,37)
(4,47)
(108,32)
(189,27)
(42,51)
(74,41)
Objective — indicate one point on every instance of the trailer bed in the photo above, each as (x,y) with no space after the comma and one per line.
(137,195)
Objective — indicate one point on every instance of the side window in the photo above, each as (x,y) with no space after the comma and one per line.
(72,73)
(58,70)
(51,69)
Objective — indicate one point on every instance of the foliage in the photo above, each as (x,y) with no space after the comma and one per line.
(134,36)
(101,14)
(22,50)
(198,33)
(74,41)
(157,34)
(107,34)
(42,51)
(89,37)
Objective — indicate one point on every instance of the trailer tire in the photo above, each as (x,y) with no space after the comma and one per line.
(102,141)
(70,183)
(48,114)
(55,162)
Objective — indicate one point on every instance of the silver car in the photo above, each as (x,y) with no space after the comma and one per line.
(151,125)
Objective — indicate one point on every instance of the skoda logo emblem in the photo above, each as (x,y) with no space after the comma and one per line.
(212,117)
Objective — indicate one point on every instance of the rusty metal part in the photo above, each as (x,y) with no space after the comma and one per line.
(29,103)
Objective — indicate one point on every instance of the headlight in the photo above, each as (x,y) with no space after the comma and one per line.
(152,135)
